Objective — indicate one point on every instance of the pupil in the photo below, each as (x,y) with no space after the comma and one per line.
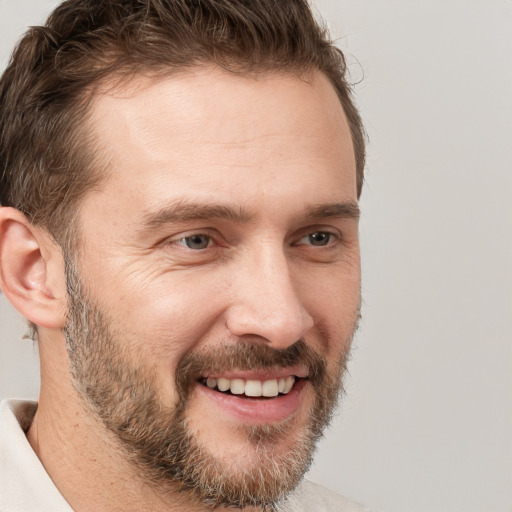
(197,242)
(320,238)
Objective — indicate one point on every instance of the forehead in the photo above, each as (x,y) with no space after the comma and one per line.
(213,132)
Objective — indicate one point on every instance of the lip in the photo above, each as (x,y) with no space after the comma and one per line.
(267,374)
(257,411)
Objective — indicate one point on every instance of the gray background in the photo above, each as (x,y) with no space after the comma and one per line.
(427,422)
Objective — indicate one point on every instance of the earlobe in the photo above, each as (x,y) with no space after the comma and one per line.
(30,268)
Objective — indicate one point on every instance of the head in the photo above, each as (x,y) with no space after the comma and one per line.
(197,165)
(48,160)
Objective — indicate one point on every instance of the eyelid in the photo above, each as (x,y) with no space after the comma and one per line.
(335,233)
(212,234)
(210,240)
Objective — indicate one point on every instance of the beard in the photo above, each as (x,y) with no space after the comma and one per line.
(123,394)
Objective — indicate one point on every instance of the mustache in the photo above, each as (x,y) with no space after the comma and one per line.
(246,355)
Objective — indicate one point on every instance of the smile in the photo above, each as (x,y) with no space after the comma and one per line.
(251,388)
(257,396)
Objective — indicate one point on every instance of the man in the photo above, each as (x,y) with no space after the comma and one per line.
(179,225)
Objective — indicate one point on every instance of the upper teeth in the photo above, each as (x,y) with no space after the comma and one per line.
(252,387)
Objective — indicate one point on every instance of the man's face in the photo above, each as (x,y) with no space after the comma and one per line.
(218,282)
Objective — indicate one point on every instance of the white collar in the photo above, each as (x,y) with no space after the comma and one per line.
(25,486)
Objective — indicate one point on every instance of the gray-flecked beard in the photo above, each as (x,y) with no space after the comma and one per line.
(116,388)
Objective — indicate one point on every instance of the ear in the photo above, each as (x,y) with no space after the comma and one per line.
(32,273)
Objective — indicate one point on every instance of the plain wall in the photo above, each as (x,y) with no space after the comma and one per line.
(426,425)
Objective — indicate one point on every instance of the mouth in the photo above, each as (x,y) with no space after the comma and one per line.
(251,384)
(255,398)
(251,388)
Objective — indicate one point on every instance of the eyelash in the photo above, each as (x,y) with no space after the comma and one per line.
(196,235)
(184,241)
(330,235)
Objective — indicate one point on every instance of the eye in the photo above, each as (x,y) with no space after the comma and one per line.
(317,239)
(196,242)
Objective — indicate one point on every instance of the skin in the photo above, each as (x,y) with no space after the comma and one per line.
(276,148)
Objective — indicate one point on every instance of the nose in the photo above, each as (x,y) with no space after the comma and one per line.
(265,301)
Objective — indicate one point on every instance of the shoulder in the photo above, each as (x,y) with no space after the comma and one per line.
(311,497)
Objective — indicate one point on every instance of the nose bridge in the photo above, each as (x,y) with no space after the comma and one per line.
(267,301)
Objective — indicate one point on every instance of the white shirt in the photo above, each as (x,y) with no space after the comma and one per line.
(25,486)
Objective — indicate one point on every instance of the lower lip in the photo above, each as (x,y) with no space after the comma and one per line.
(257,411)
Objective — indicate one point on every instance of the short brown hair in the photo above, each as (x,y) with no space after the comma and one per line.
(47,157)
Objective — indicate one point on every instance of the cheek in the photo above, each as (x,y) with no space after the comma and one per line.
(330,292)
(168,317)
(333,302)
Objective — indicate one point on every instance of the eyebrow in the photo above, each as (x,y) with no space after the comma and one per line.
(348,210)
(185,211)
